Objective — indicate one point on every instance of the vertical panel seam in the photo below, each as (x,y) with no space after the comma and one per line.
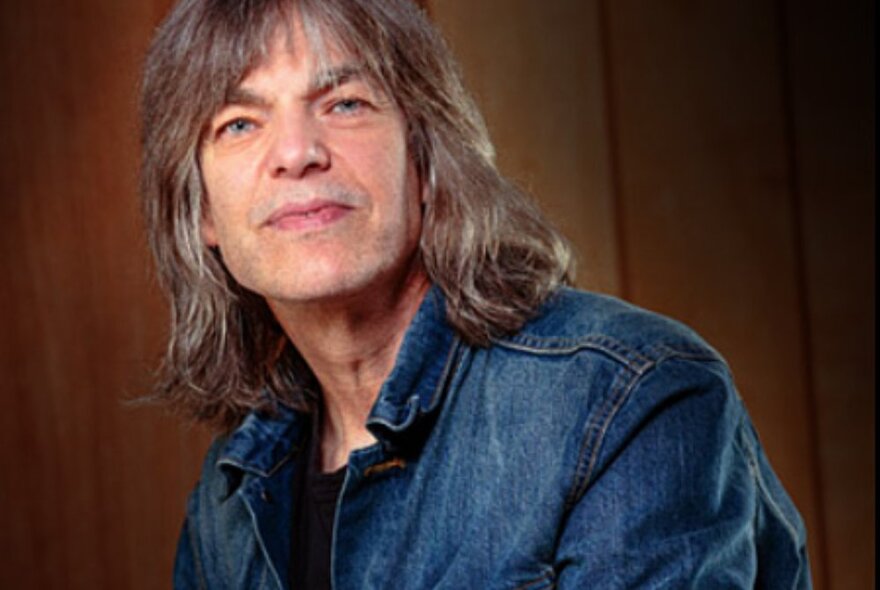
(803,296)
(613,143)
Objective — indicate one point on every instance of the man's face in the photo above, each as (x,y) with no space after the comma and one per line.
(312,194)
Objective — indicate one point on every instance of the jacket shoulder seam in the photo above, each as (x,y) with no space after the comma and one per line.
(554,346)
(599,422)
(595,430)
(637,361)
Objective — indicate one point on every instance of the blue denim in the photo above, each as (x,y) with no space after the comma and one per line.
(602,446)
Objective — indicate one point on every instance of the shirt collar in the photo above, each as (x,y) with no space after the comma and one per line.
(401,416)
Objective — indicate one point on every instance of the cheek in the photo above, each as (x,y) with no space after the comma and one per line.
(405,204)
(207,171)
(220,207)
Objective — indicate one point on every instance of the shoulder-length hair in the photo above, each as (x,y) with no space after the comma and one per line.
(484,242)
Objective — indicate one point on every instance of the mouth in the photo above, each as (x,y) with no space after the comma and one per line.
(306,216)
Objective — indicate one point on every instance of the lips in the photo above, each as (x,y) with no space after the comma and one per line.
(310,215)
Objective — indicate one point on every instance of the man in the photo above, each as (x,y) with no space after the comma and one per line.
(377,323)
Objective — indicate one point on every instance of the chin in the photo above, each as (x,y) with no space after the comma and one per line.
(319,291)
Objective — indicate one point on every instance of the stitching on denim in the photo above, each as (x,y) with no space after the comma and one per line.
(635,360)
(583,464)
(197,562)
(229,462)
(596,428)
(260,541)
(683,351)
(547,577)
(754,466)
(560,346)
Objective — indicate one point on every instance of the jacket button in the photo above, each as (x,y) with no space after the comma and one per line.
(267,498)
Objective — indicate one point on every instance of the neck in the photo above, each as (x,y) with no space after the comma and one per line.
(351,347)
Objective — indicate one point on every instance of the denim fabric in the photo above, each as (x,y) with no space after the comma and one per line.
(602,446)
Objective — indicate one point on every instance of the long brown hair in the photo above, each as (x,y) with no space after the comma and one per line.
(484,242)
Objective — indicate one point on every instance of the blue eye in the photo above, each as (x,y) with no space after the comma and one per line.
(237,126)
(347,106)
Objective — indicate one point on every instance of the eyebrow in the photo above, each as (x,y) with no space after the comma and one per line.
(330,78)
(244,97)
(321,82)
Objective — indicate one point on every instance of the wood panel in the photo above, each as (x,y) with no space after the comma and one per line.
(707,207)
(536,71)
(831,76)
(712,161)
(94,488)
(695,159)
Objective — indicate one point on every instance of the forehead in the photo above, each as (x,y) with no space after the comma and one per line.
(325,31)
(315,56)
(314,50)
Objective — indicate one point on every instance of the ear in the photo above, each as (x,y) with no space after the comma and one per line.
(207,229)
(428,182)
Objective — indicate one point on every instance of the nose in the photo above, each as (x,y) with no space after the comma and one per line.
(298,148)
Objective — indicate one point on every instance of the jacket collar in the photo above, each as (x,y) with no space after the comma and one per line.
(409,398)
(400,418)
(263,442)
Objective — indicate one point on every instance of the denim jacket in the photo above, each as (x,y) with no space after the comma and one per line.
(602,446)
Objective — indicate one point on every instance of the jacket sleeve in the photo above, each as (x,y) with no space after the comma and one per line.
(676,493)
(187,564)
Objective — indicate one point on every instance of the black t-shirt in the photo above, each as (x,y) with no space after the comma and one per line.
(314,504)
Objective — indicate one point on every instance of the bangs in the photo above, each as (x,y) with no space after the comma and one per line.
(207,47)
(236,37)
(355,33)
(241,33)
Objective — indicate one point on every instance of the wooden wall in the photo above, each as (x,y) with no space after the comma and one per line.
(713,161)
(93,489)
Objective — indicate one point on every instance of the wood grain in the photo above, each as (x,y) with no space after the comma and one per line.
(712,161)
(831,75)
(708,211)
(98,486)
(536,70)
